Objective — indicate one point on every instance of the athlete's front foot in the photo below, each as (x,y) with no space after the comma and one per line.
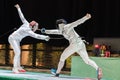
(21,70)
(53,71)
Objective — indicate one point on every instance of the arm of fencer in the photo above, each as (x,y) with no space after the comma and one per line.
(80,21)
(53,31)
(39,36)
(20,14)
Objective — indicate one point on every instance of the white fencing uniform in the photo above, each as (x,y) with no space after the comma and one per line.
(76,44)
(16,37)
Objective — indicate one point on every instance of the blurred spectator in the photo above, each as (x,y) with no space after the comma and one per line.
(97,50)
(107,53)
(103,49)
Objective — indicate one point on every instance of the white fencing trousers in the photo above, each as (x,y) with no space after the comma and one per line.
(15,44)
(81,50)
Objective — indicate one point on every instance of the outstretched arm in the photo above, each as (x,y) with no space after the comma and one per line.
(39,36)
(20,13)
(53,31)
(80,21)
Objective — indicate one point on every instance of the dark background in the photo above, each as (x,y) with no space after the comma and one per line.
(104,22)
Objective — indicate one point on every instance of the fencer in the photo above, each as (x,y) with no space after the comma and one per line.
(76,44)
(26,29)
